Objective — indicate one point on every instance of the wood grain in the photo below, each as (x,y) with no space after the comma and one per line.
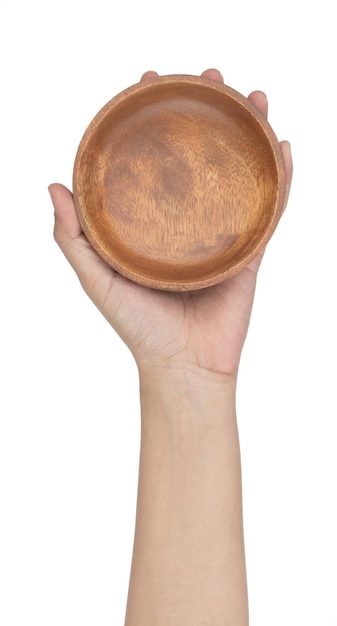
(179,182)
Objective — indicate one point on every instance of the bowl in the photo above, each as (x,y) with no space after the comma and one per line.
(179,182)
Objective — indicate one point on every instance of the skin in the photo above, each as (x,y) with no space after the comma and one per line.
(188,563)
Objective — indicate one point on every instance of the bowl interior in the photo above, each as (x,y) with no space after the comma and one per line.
(177,182)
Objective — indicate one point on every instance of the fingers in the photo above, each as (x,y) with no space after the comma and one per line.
(147,75)
(259,98)
(213,74)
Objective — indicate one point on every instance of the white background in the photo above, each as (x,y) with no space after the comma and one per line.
(69,434)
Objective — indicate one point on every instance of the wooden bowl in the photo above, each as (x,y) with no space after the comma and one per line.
(179,182)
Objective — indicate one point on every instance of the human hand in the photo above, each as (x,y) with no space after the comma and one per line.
(203,330)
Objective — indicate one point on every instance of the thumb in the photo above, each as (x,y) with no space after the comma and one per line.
(95,275)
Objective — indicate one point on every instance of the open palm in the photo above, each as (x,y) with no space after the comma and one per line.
(204,329)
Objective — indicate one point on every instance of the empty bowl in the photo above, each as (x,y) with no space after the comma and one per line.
(179,182)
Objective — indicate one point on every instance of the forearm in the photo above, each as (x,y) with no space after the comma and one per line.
(188,563)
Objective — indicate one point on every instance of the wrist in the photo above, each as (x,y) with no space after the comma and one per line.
(186,395)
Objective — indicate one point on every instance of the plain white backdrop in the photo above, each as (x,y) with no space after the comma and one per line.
(69,427)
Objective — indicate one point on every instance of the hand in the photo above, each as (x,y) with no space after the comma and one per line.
(202,329)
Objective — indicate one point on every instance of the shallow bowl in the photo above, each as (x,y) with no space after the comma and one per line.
(179,182)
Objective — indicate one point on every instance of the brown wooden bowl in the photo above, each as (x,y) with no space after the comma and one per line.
(179,182)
